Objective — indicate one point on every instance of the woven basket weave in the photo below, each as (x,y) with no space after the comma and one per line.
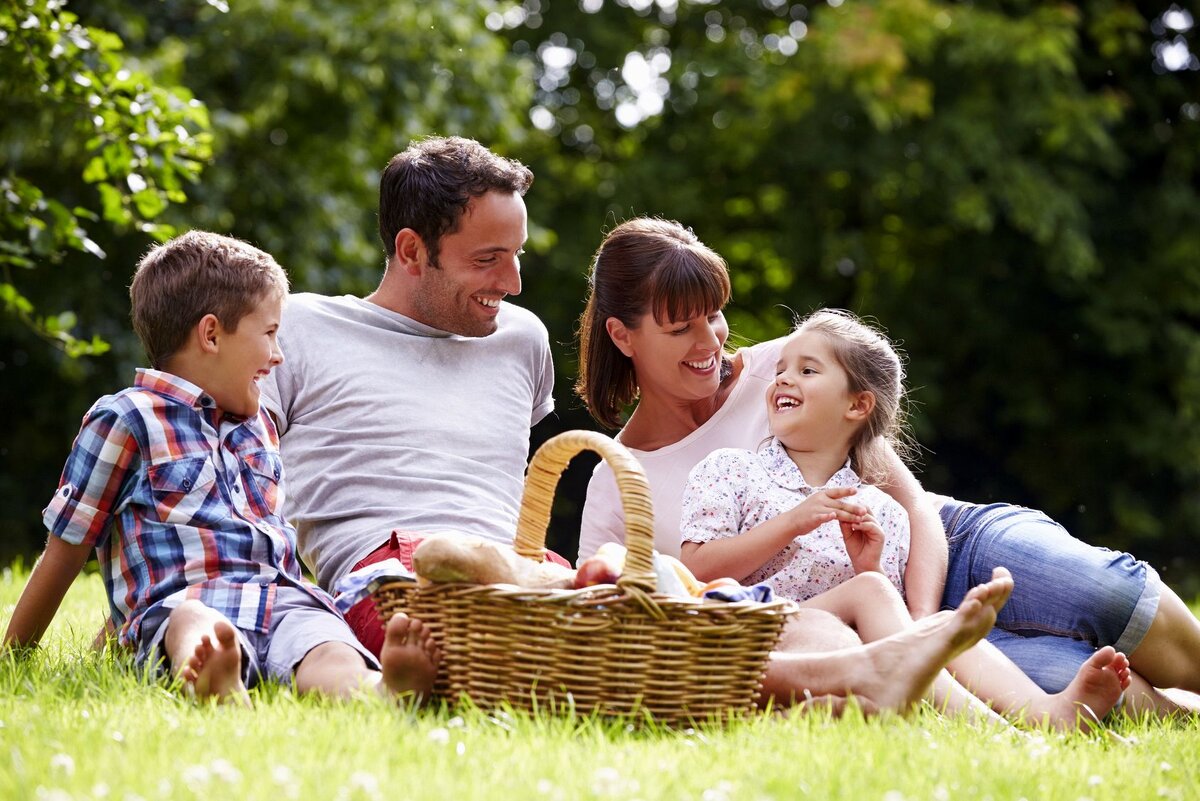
(619,649)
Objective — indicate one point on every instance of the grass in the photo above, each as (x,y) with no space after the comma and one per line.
(75,725)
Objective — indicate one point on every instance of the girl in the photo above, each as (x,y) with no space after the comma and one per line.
(797,515)
(653,339)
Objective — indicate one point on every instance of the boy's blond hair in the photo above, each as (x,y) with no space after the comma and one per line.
(194,274)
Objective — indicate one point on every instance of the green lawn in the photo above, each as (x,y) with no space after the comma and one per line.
(73,725)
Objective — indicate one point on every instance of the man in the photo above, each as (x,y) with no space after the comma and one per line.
(409,410)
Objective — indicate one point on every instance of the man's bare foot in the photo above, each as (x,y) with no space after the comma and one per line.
(994,593)
(891,674)
(1090,696)
(214,670)
(409,657)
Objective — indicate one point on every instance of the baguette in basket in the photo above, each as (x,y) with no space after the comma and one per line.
(465,559)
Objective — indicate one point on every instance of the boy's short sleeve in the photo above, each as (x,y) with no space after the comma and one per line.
(90,491)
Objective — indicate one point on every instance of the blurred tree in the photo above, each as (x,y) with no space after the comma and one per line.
(1010,187)
(308,102)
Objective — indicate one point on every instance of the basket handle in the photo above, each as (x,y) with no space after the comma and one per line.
(541,480)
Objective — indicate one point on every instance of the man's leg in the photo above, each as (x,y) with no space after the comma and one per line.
(891,674)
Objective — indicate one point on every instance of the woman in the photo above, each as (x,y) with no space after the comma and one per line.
(653,331)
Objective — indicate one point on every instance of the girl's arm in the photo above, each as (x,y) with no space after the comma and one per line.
(48,583)
(925,576)
(741,555)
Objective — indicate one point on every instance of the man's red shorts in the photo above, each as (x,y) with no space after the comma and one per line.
(362,617)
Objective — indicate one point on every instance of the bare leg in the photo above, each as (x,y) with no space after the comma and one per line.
(409,660)
(1142,698)
(203,650)
(1169,654)
(889,675)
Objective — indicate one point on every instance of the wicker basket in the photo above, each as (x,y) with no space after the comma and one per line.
(620,649)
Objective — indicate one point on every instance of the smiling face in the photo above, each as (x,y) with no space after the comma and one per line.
(246,355)
(810,406)
(477,266)
(680,360)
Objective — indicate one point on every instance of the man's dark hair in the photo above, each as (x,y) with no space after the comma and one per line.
(428,185)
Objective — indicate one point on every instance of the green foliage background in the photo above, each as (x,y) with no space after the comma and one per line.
(1010,188)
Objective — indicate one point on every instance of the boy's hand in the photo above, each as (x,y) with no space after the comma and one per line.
(826,505)
(864,544)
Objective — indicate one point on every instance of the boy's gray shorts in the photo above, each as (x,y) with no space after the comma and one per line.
(298,624)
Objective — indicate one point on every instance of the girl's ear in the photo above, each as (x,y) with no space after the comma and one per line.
(861,405)
(208,333)
(411,253)
(619,334)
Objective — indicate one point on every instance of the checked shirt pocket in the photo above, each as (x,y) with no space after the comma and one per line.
(181,487)
(263,472)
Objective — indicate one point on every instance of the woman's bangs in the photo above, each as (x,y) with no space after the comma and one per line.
(688,285)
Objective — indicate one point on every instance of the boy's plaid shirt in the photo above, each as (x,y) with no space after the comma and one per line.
(180,501)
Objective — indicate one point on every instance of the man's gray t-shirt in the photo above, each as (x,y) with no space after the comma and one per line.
(386,423)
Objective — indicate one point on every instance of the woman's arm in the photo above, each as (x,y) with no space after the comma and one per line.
(925,576)
(48,583)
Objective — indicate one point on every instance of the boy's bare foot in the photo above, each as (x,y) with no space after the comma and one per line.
(214,670)
(1091,694)
(409,657)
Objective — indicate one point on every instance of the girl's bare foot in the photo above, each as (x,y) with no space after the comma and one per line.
(994,593)
(214,670)
(1091,694)
(409,657)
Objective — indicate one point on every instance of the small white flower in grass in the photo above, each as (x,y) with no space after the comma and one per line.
(457,722)
(226,772)
(545,787)
(940,793)
(118,737)
(366,782)
(52,794)
(165,790)
(439,736)
(893,795)
(460,748)
(63,763)
(1094,780)
(196,775)
(282,774)
(722,792)
(99,790)
(607,781)
(1164,766)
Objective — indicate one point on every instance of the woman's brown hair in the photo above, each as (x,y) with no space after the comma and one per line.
(643,265)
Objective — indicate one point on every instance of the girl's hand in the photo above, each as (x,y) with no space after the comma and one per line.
(864,544)
(826,505)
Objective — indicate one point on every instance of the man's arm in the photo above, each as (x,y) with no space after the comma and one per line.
(48,583)
(925,576)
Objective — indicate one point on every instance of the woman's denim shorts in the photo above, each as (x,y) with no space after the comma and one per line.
(1069,598)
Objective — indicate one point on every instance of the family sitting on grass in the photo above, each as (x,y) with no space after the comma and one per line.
(408,412)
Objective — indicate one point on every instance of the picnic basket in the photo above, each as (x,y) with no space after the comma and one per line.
(621,649)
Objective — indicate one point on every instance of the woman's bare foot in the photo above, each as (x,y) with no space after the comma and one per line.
(1090,696)
(214,670)
(409,657)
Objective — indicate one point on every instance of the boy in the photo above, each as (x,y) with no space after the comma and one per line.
(176,484)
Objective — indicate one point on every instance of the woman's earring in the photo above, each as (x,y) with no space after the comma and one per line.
(726,368)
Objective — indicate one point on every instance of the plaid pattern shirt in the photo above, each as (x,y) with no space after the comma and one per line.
(180,501)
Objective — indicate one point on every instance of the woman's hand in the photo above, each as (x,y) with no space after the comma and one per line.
(864,544)
(823,506)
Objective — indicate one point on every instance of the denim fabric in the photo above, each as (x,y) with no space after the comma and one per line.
(1069,598)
